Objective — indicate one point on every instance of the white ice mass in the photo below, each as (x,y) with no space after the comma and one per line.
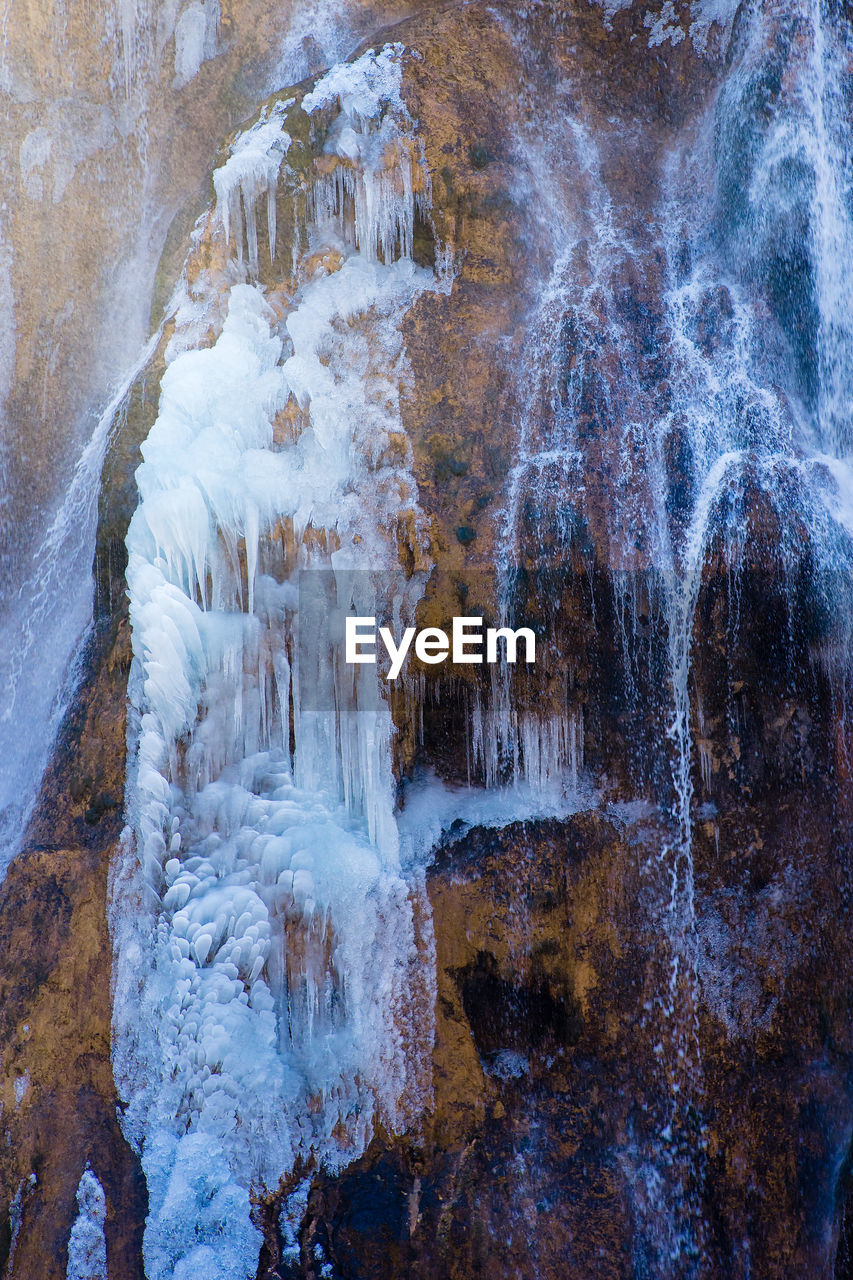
(256,1018)
(87,1245)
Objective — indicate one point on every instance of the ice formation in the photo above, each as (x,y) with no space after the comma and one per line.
(251,171)
(87,1245)
(196,38)
(258,1018)
(663,24)
(382,193)
(367,188)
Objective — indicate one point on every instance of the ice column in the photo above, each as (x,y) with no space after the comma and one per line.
(267,1002)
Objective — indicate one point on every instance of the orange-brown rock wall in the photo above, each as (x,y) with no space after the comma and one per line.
(550,956)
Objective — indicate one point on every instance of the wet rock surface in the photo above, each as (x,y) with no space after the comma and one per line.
(555,984)
(545,1068)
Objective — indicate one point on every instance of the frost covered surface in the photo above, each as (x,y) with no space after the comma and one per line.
(664,23)
(290,1220)
(22,1085)
(664,27)
(16,1213)
(256,1017)
(87,1245)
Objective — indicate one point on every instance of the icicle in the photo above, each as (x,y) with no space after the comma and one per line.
(250,171)
(271,221)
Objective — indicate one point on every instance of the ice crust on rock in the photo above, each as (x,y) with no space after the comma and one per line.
(269,998)
(196,38)
(87,1245)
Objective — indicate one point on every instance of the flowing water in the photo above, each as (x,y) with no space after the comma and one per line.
(85,160)
(755,400)
(747,402)
(275,963)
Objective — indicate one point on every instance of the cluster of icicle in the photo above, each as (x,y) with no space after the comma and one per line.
(367,189)
(541,751)
(269,1001)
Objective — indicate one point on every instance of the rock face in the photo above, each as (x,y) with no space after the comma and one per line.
(59,1099)
(112,124)
(545,1070)
(642,1054)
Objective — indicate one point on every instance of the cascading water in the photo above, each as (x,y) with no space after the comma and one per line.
(98,102)
(684,388)
(40,640)
(692,454)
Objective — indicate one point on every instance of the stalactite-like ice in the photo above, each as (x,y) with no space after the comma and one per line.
(382,195)
(251,171)
(269,1001)
(368,115)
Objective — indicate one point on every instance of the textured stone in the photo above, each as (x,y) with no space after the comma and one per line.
(550,954)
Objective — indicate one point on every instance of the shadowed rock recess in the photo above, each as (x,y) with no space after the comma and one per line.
(542,314)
